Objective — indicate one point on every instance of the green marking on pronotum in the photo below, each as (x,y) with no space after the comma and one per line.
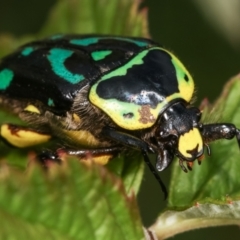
(57,57)
(27,50)
(99,55)
(6,76)
(92,40)
(121,71)
(51,103)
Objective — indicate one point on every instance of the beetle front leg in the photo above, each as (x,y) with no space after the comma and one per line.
(212,132)
(126,139)
(135,142)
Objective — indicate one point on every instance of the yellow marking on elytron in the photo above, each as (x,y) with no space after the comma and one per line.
(32,108)
(82,137)
(76,118)
(189,141)
(102,160)
(116,111)
(23,138)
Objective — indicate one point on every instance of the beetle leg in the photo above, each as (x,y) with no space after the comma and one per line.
(94,152)
(99,155)
(211,132)
(21,137)
(126,139)
(135,142)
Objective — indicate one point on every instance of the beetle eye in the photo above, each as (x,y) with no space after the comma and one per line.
(199,115)
(164,134)
(196,111)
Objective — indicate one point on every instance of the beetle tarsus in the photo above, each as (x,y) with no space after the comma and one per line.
(47,157)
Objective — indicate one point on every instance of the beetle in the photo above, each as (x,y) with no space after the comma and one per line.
(101,94)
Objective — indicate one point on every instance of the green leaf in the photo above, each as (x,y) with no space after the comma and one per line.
(75,201)
(117,17)
(130,167)
(9,43)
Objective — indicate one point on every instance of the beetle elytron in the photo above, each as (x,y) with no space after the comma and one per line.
(99,94)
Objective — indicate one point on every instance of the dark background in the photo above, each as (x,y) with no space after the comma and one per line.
(182,28)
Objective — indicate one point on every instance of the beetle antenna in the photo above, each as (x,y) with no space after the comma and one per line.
(155,173)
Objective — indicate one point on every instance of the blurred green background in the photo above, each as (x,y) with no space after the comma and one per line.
(204,34)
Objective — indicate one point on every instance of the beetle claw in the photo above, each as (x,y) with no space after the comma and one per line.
(182,166)
(48,157)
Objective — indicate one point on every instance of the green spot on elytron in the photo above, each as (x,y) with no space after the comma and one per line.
(27,50)
(84,41)
(57,57)
(6,76)
(99,55)
(92,40)
(50,103)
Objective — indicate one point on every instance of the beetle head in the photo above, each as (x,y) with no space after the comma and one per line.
(179,134)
